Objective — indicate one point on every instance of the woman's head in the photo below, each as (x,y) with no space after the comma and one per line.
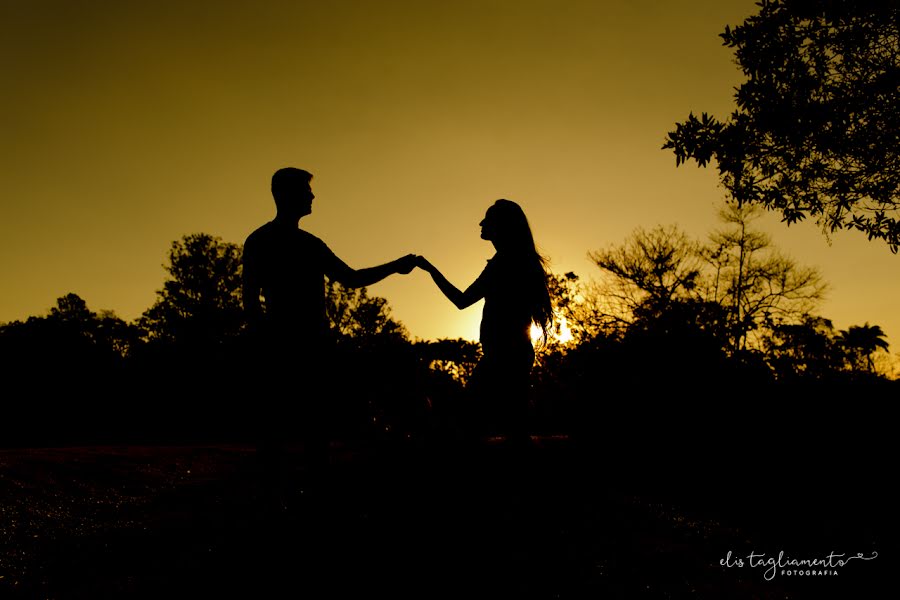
(506,226)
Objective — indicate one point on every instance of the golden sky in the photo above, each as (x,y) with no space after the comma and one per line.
(125,125)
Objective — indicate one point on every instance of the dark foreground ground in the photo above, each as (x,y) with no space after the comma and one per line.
(401,518)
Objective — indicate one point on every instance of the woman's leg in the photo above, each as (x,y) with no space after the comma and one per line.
(499,389)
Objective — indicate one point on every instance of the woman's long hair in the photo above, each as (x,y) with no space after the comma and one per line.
(514,228)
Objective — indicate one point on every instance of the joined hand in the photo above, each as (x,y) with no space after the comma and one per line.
(423,264)
(407,263)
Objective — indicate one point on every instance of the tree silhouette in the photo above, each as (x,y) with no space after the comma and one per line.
(730,295)
(456,358)
(72,309)
(70,337)
(650,269)
(103,329)
(808,349)
(756,283)
(671,330)
(817,124)
(580,313)
(359,319)
(72,363)
(200,302)
(861,342)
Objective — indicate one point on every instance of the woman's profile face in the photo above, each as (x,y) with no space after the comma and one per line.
(488,225)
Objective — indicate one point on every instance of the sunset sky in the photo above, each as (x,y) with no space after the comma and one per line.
(126,125)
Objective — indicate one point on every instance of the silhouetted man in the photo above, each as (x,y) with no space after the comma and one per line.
(287,267)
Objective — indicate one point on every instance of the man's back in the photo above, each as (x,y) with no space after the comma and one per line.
(289,266)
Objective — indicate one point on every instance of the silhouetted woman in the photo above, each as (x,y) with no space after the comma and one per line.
(514,288)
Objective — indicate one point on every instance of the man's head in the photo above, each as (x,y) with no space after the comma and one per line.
(292,192)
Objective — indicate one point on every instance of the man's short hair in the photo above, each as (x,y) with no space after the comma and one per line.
(287,180)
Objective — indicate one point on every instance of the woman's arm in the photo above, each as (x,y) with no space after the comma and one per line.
(461,300)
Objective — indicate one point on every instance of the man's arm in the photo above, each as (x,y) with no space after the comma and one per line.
(355,278)
(251,287)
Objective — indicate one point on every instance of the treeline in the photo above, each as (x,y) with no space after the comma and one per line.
(668,327)
(712,343)
(733,296)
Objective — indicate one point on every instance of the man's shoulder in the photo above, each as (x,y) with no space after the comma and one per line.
(313,243)
(308,237)
(259,234)
(273,230)
(271,234)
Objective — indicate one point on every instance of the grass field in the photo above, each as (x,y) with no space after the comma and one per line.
(403,519)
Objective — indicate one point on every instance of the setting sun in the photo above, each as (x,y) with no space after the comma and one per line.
(561,333)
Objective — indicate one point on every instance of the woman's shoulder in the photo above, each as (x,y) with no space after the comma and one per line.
(510,263)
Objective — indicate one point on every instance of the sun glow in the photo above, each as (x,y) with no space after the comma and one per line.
(561,333)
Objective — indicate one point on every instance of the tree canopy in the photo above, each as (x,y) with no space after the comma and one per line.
(355,317)
(736,285)
(816,132)
(201,299)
